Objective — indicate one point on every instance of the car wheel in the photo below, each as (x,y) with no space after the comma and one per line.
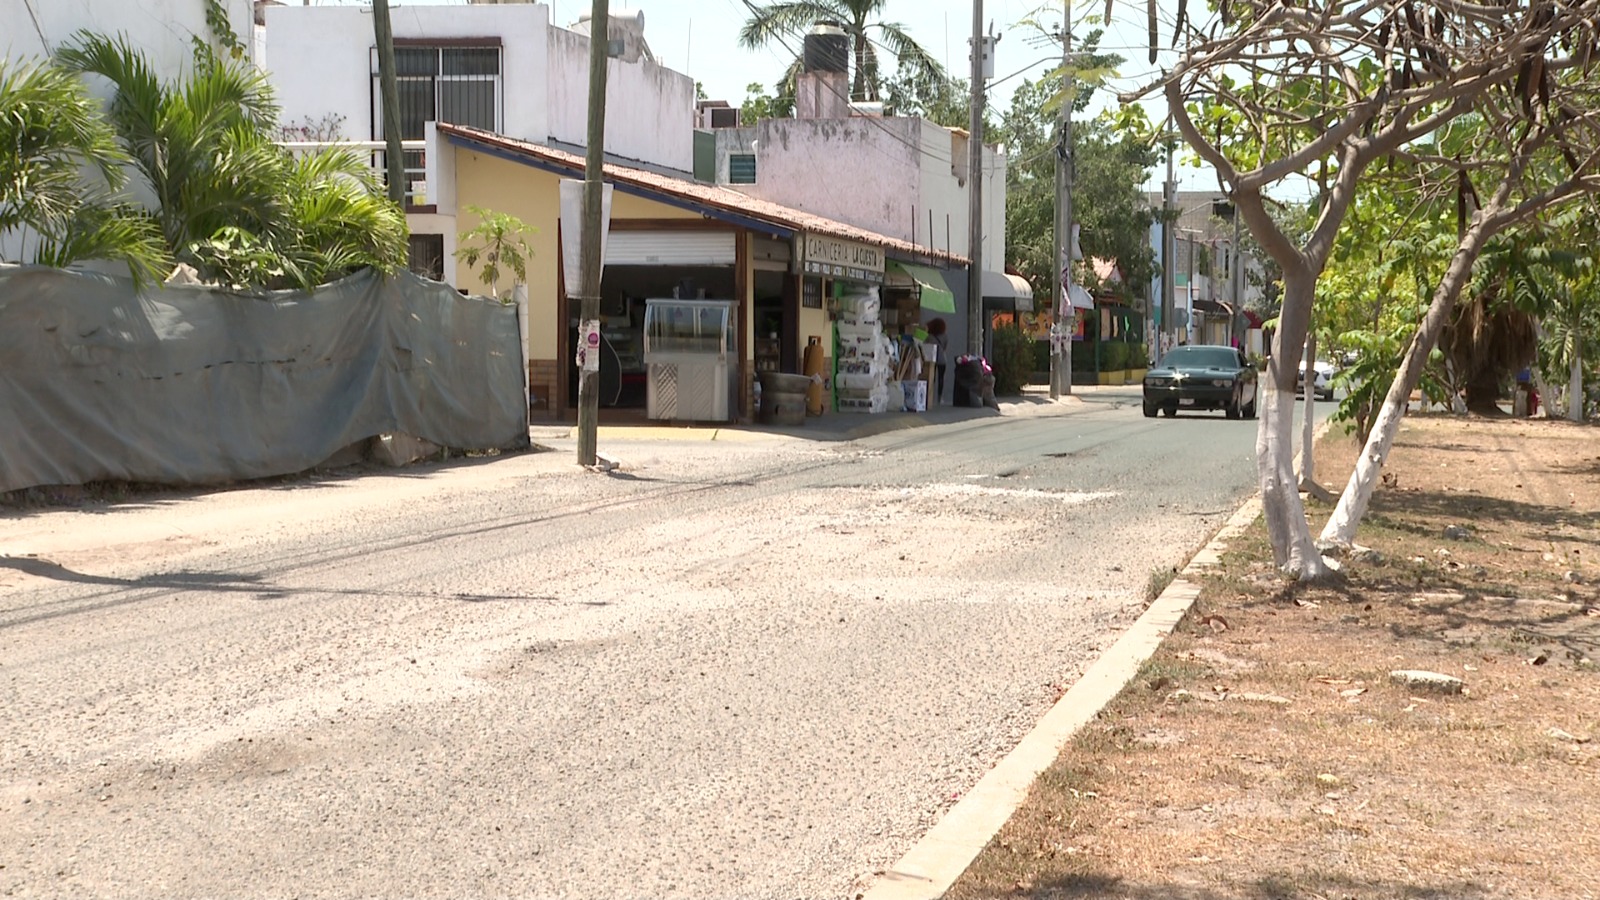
(1327,395)
(1150,410)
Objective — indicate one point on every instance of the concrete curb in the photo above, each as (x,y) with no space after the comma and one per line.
(930,867)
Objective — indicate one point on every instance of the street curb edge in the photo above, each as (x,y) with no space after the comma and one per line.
(934,863)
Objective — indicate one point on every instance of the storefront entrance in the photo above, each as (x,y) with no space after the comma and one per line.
(623,292)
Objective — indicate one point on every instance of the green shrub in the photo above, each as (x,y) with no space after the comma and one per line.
(1041,356)
(1082,356)
(1013,360)
(1113,356)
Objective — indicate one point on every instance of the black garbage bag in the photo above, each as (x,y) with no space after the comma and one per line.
(974,383)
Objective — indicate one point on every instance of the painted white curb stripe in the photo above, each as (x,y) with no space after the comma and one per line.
(936,861)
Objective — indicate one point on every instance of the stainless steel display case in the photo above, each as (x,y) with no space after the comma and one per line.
(691,357)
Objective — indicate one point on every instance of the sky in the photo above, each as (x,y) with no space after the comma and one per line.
(701,39)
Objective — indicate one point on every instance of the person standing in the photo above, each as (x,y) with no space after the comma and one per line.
(937,333)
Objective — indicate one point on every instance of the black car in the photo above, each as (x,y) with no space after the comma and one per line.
(1202,376)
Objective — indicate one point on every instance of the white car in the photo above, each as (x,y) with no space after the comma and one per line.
(1322,384)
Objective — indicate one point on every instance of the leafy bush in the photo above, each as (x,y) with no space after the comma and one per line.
(1013,359)
(1113,356)
(1082,357)
(1368,379)
(1041,356)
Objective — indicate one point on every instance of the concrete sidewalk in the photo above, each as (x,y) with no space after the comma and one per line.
(832,426)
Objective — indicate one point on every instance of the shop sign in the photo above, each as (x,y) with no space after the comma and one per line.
(840,258)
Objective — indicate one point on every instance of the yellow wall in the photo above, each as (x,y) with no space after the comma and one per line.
(534,196)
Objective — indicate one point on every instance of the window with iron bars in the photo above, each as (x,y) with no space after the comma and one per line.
(440,83)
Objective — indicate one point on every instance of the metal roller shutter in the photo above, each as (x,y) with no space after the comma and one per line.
(670,248)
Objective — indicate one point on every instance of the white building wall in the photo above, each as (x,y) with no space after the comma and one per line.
(729,142)
(649,108)
(890,175)
(320,60)
(845,169)
(161,28)
(994,210)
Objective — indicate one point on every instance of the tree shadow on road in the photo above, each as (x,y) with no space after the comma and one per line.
(125,591)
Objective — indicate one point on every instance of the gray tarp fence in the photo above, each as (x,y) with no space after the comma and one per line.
(195,385)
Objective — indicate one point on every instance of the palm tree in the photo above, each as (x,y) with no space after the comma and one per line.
(338,218)
(60,174)
(1495,331)
(228,199)
(201,145)
(786,21)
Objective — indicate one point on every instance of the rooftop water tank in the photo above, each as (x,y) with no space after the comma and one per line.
(827,49)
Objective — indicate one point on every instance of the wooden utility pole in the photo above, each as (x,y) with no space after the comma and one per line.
(1061,344)
(975,190)
(391,101)
(589,242)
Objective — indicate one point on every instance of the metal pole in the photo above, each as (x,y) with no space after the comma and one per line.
(395,163)
(1188,324)
(1169,250)
(1061,360)
(593,178)
(1237,258)
(975,190)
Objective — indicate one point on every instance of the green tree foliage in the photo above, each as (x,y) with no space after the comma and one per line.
(228,199)
(786,22)
(61,174)
(1570,346)
(938,98)
(498,240)
(1112,152)
(758,104)
(1013,359)
(1494,331)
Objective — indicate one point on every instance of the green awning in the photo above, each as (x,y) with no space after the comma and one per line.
(936,296)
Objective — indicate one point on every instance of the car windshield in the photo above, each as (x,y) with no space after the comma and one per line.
(1201,357)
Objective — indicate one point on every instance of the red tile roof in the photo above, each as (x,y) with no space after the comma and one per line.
(704,194)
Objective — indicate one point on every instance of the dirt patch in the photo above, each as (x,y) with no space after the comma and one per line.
(1266,752)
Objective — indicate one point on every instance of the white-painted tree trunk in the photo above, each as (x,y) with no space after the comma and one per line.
(1292,547)
(1341,527)
(1308,474)
(1285,515)
(1575,384)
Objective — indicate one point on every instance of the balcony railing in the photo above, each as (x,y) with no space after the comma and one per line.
(377,156)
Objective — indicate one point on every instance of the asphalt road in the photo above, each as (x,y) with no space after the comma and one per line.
(758,668)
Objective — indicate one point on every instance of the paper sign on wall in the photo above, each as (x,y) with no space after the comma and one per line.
(589,346)
(572,231)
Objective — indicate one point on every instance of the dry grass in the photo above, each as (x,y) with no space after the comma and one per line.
(1271,757)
